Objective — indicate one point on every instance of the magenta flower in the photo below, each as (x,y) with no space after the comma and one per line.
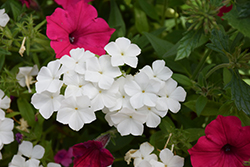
(78,26)
(64,157)
(225,9)
(31,3)
(91,154)
(66,3)
(226,144)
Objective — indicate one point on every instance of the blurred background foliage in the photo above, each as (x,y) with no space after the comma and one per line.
(207,53)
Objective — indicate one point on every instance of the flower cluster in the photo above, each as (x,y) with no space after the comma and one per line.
(29,156)
(145,158)
(96,83)
(6,124)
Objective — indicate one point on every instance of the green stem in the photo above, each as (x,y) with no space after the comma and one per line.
(118,159)
(163,13)
(216,68)
(201,63)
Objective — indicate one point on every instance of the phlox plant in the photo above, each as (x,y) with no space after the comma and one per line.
(116,83)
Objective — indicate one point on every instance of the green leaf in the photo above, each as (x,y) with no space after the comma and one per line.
(148,9)
(227,76)
(2,60)
(15,8)
(12,114)
(166,124)
(240,92)
(244,9)
(241,24)
(220,41)
(200,104)
(26,111)
(116,20)
(4,52)
(160,46)
(188,43)
(141,21)
(194,134)
(182,79)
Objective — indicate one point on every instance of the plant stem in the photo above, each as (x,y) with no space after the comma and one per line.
(201,63)
(216,68)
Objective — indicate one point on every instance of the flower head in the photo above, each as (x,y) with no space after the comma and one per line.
(4,18)
(78,26)
(225,9)
(226,143)
(91,153)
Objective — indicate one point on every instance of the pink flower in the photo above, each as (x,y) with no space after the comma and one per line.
(226,144)
(64,157)
(66,3)
(78,26)
(31,3)
(91,154)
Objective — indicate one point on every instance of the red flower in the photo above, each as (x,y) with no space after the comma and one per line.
(91,154)
(66,3)
(226,144)
(78,26)
(224,9)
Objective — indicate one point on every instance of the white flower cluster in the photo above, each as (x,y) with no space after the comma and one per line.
(145,158)
(6,124)
(29,156)
(97,83)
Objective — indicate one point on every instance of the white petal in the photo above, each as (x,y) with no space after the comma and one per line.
(131,61)
(153,120)
(146,149)
(117,61)
(178,94)
(123,43)
(133,50)
(37,152)
(75,121)
(132,88)
(26,148)
(176,161)
(137,100)
(52,164)
(173,105)
(113,49)
(166,155)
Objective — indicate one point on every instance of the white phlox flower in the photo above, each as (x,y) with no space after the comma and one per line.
(18,161)
(25,76)
(6,134)
(153,115)
(123,52)
(4,18)
(99,70)
(107,116)
(101,98)
(158,71)
(171,160)
(4,104)
(142,91)
(170,96)
(77,60)
(33,153)
(151,163)
(52,164)
(129,122)
(144,153)
(76,112)
(47,102)
(75,85)
(48,77)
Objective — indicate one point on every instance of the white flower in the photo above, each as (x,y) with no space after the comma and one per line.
(25,76)
(4,18)
(100,71)
(129,122)
(76,112)
(101,98)
(75,84)
(48,78)
(142,91)
(52,164)
(26,148)
(158,71)
(6,134)
(77,61)
(144,153)
(18,161)
(153,115)
(171,160)
(123,52)
(171,95)
(4,104)
(47,102)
